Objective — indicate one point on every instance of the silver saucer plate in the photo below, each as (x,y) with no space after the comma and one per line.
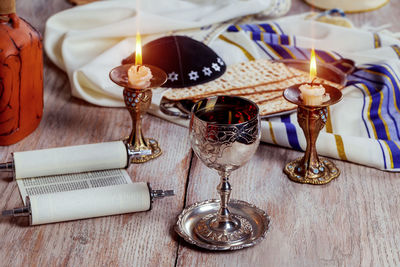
(191,215)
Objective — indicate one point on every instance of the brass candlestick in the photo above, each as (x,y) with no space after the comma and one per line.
(311,169)
(137,101)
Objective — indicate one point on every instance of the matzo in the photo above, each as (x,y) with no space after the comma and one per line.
(261,98)
(261,89)
(242,75)
(262,81)
(276,105)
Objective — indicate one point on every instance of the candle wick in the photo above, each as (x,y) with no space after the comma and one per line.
(313,80)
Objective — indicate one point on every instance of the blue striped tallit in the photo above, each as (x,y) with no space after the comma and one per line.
(370,135)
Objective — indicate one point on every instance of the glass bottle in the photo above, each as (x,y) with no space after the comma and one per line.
(21,76)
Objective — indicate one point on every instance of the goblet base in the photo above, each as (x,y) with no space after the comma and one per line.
(198,225)
(323,172)
(141,156)
(211,231)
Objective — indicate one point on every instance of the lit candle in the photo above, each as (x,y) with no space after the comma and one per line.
(139,76)
(313,94)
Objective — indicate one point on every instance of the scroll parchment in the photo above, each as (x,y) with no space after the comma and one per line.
(70,159)
(71,182)
(89,203)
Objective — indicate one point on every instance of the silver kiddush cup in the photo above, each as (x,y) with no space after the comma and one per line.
(224,133)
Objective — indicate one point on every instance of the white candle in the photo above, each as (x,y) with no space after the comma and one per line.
(313,94)
(139,76)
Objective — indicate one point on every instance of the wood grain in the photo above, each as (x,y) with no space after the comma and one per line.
(128,240)
(353,221)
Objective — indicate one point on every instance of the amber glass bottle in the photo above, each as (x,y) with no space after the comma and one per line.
(21,76)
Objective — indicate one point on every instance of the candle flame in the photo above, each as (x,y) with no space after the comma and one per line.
(138,52)
(313,65)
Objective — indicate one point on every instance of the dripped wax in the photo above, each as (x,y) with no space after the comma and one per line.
(313,94)
(139,76)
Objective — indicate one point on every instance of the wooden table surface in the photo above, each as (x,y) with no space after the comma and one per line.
(353,221)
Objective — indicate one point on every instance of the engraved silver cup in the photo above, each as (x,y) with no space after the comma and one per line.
(224,133)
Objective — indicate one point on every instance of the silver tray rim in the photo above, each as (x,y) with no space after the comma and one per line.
(179,229)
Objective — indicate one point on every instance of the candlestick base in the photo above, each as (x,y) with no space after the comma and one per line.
(322,172)
(152,151)
(211,230)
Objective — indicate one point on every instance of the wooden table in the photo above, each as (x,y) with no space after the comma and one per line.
(353,221)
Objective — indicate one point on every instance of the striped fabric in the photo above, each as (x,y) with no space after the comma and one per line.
(365,126)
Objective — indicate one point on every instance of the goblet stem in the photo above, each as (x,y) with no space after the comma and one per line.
(224,189)
(223,227)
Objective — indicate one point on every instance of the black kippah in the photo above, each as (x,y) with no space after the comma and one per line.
(186,61)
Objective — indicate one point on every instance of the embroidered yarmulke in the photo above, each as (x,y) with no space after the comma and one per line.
(187,62)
